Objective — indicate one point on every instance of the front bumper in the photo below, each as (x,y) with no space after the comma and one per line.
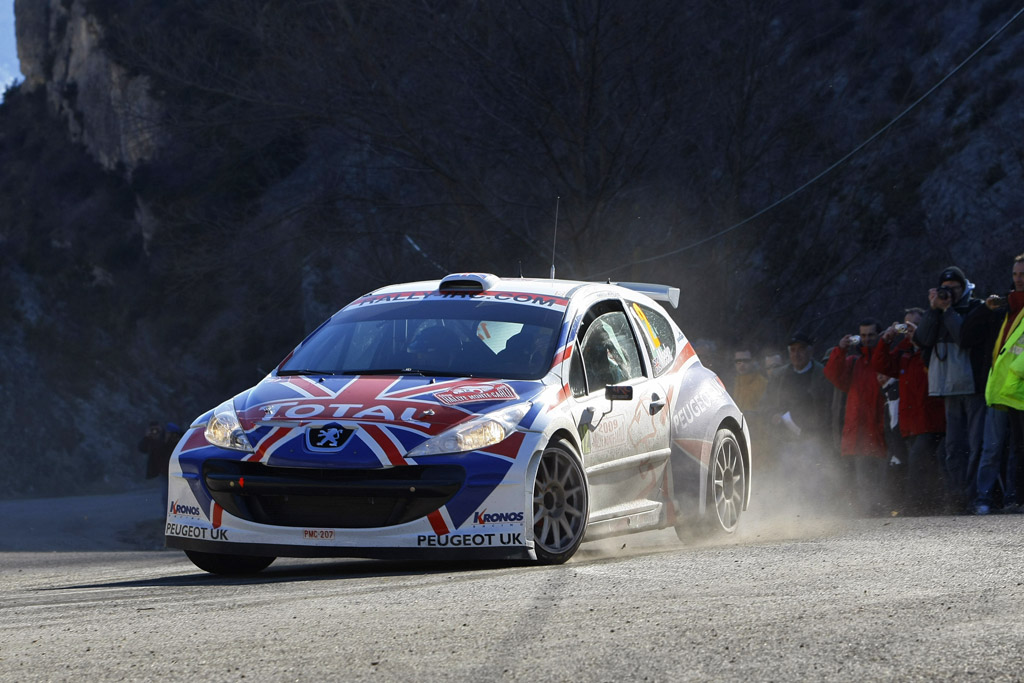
(464,505)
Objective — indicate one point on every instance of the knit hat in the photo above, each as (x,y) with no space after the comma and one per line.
(953,273)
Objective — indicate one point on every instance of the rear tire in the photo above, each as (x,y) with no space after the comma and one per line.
(727,484)
(228,565)
(726,492)
(561,504)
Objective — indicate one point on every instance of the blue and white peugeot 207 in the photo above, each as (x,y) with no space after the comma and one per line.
(473,416)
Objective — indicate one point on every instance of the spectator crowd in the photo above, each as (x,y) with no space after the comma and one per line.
(923,416)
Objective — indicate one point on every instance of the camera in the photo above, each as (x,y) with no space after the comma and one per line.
(944,293)
(901,328)
(854,339)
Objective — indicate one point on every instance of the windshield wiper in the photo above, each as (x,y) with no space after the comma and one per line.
(404,371)
(303,372)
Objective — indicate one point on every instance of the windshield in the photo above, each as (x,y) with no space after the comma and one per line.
(453,338)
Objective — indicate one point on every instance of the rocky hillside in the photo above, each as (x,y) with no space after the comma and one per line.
(187,188)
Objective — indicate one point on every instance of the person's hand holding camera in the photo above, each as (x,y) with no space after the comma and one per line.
(940,298)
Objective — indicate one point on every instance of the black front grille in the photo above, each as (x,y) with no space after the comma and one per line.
(335,498)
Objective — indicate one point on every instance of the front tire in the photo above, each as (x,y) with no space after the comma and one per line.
(228,565)
(561,504)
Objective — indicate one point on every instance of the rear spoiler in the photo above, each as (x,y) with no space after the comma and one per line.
(664,293)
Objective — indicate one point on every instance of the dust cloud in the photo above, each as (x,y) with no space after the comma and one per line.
(788,502)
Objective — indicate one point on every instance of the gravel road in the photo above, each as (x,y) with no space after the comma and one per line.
(894,598)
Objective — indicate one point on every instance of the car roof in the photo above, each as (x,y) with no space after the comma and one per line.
(484,282)
(560,288)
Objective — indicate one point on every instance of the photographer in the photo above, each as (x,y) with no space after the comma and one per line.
(922,418)
(956,372)
(849,369)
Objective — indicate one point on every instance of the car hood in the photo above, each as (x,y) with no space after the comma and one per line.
(414,408)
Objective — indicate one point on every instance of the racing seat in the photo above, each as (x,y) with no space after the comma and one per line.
(435,348)
(522,353)
(517,351)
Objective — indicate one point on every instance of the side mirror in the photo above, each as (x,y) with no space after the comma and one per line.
(618,392)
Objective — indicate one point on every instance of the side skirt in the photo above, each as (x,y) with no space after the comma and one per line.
(618,521)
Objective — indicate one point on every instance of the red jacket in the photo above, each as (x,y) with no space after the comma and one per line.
(863,426)
(919,413)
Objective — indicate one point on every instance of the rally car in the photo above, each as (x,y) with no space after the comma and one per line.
(474,416)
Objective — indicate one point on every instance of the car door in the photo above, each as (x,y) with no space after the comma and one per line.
(625,439)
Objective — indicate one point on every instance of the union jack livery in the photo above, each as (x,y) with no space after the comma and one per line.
(473,416)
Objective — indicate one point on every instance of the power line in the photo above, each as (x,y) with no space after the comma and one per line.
(828,170)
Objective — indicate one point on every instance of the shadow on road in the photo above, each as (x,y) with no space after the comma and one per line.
(291,571)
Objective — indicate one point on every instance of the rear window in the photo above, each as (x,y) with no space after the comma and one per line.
(658,336)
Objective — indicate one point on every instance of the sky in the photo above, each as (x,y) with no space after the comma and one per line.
(9,68)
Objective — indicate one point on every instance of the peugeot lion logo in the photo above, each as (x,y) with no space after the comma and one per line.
(327,438)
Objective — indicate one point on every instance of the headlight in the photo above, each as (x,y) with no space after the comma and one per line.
(224,430)
(480,432)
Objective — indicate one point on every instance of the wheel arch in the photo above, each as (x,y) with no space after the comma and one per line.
(563,434)
(691,469)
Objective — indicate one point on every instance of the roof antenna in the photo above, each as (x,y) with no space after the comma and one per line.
(554,240)
(520,269)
